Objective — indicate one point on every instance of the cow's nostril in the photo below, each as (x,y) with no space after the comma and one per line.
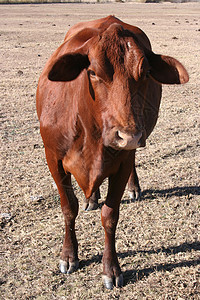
(118,135)
(121,139)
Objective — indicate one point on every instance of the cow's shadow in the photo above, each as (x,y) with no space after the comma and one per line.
(131,276)
(167,193)
(134,275)
(151,194)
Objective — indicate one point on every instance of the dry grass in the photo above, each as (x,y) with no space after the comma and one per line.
(158,237)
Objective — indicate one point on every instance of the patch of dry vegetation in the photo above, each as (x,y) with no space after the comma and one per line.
(157,238)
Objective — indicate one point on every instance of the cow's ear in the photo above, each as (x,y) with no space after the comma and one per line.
(166,69)
(68,67)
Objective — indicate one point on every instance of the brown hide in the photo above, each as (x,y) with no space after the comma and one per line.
(98,99)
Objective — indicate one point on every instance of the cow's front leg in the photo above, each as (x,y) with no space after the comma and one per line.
(69,204)
(133,184)
(109,217)
(111,268)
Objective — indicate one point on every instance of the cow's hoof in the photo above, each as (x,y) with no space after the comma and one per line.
(108,282)
(92,206)
(134,195)
(85,206)
(68,268)
(119,281)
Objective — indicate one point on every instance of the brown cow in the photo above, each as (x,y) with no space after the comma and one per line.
(97,101)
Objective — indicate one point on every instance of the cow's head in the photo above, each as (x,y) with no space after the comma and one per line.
(118,69)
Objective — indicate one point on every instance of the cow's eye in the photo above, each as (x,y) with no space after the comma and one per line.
(92,73)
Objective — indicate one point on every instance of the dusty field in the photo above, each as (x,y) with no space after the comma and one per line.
(158,238)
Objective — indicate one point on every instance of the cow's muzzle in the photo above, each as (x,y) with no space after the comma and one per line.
(120,139)
(127,141)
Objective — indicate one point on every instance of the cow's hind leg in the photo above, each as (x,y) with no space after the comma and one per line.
(109,217)
(133,184)
(92,202)
(69,204)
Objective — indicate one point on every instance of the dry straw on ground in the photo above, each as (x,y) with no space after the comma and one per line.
(158,237)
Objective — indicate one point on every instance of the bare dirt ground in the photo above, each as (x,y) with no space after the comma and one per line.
(158,237)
